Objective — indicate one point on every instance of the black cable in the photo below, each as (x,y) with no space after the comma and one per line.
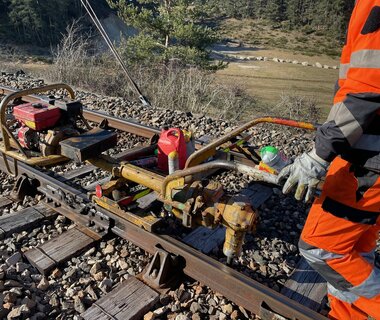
(108,41)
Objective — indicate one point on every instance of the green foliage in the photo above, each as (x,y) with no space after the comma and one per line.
(329,17)
(36,22)
(169,29)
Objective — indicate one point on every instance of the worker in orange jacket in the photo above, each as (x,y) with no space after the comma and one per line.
(340,234)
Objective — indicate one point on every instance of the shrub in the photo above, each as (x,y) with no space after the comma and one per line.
(298,107)
(170,86)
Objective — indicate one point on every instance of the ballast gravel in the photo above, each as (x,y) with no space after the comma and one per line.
(269,256)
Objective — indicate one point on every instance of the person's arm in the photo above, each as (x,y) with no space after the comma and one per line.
(356,104)
(357,100)
(345,124)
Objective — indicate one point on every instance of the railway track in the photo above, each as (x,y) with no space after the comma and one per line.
(70,202)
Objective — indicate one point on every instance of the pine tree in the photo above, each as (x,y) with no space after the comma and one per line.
(40,22)
(275,10)
(168,29)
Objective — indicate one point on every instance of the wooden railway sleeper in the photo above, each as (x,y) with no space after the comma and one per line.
(266,313)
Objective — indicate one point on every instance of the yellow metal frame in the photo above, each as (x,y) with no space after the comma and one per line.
(147,221)
(10,146)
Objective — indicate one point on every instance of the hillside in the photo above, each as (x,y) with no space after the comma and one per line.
(290,66)
(269,56)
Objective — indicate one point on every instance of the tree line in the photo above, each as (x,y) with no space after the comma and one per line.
(329,17)
(39,22)
(42,22)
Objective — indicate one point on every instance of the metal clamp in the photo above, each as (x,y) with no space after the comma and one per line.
(164,270)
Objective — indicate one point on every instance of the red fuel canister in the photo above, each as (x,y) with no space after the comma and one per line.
(171,140)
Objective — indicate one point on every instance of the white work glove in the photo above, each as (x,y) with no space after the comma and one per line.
(304,173)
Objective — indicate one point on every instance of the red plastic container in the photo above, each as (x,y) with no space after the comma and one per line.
(37,116)
(171,140)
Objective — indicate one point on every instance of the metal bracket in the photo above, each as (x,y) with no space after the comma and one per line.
(164,270)
(187,220)
(74,208)
(24,187)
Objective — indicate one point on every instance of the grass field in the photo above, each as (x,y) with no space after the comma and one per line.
(264,80)
(268,80)
(257,32)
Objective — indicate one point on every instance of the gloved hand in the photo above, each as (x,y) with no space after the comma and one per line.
(305,173)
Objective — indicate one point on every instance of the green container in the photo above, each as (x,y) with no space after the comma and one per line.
(273,158)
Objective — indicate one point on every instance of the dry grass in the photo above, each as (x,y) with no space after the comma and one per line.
(269,80)
(243,89)
(298,108)
(259,33)
(166,86)
(195,90)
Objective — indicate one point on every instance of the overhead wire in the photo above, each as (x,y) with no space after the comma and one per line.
(110,44)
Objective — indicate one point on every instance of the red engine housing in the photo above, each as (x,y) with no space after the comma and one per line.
(37,116)
(27,137)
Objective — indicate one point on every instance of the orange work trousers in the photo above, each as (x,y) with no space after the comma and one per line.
(339,240)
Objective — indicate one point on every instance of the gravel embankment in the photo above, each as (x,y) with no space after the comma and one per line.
(269,256)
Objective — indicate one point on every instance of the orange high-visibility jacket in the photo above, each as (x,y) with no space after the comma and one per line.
(352,129)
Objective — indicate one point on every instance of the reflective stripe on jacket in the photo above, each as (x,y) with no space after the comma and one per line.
(352,129)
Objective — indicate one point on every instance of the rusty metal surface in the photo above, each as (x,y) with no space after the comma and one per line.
(240,289)
(128,125)
(12,95)
(88,145)
(64,199)
(218,164)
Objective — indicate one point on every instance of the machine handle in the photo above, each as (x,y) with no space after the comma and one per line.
(210,149)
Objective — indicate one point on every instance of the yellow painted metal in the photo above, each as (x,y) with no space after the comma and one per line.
(147,221)
(9,143)
(142,176)
(129,172)
(193,203)
(233,243)
(172,185)
(34,161)
(239,218)
(196,205)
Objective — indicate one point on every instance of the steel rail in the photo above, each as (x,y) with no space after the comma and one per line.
(235,286)
(133,127)
(240,289)
(125,125)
